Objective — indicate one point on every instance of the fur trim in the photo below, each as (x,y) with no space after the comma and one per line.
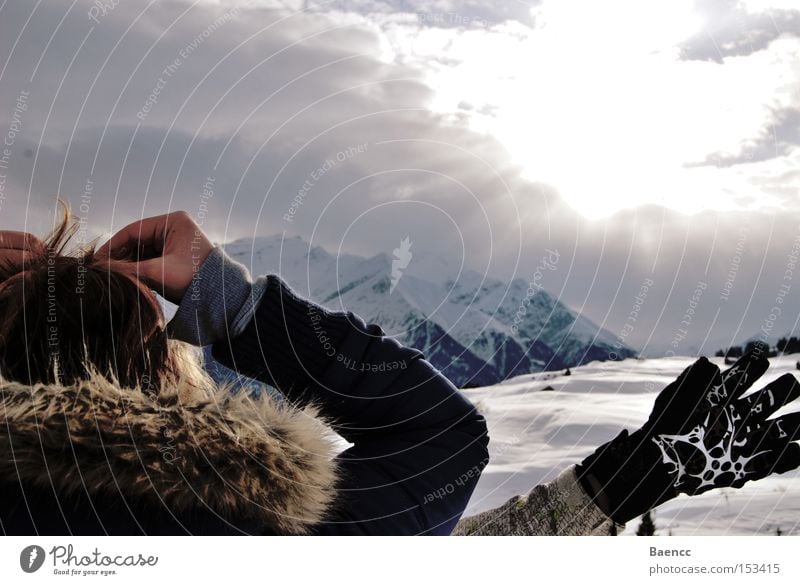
(239,457)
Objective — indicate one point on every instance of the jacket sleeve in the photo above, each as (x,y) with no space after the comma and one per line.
(560,507)
(418,445)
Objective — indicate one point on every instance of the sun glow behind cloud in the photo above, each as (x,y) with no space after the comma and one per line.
(596,100)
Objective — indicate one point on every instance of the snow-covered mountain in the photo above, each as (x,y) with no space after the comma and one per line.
(476,330)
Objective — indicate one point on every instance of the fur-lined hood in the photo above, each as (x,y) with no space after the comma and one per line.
(238,457)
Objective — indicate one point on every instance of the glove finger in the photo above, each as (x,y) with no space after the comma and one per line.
(739,377)
(683,402)
(784,428)
(765,402)
(770,435)
(786,458)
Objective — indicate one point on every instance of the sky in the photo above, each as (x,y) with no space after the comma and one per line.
(654,145)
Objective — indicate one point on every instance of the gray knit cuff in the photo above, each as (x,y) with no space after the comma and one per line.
(219,303)
(560,507)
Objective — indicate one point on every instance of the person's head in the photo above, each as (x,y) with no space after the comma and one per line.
(64,314)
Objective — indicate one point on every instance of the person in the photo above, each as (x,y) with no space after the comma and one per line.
(111,427)
(704,432)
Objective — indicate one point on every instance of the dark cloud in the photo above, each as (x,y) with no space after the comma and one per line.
(730,30)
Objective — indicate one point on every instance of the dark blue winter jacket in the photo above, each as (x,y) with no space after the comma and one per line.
(100,461)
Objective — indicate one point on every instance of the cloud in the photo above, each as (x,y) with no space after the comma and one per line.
(776,140)
(467,14)
(731,29)
(567,93)
(276,107)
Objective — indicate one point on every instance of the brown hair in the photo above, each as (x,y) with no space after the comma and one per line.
(63,315)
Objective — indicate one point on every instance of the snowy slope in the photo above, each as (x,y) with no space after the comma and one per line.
(461,320)
(535,434)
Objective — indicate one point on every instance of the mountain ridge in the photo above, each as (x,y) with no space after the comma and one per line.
(476,329)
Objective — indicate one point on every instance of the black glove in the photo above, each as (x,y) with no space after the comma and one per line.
(702,434)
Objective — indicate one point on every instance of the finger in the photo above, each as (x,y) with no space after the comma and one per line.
(696,382)
(150,272)
(739,377)
(680,403)
(788,459)
(780,460)
(771,398)
(20,241)
(747,369)
(784,428)
(133,240)
(769,435)
(141,239)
